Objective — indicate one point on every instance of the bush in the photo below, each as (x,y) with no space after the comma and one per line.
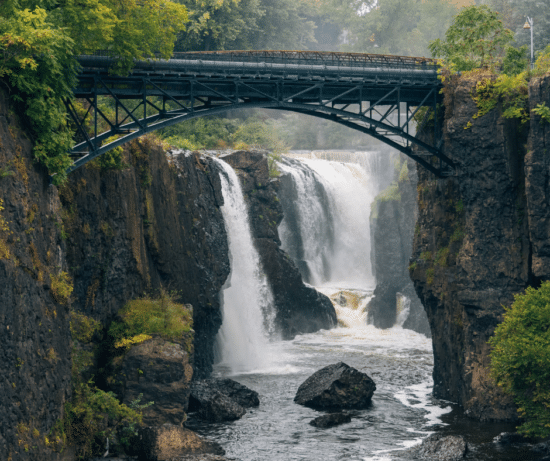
(141,318)
(62,287)
(520,358)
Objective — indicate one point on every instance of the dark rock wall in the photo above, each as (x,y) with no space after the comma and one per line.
(152,226)
(299,308)
(34,328)
(392,224)
(482,236)
(118,235)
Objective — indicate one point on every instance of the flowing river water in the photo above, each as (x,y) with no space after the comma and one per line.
(400,361)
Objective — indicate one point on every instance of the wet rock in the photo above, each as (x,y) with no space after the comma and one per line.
(167,442)
(508,438)
(438,447)
(299,308)
(221,399)
(160,371)
(331,420)
(336,386)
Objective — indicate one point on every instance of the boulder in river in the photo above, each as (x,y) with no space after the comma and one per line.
(438,447)
(331,420)
(336,386)
(221,399)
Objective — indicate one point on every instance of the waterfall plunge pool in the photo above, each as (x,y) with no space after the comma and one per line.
(400,361)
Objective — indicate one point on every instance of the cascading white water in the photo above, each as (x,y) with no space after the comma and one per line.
(242,342)
(403,304)
(330,235)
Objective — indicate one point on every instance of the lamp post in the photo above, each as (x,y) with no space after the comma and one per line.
(529,25)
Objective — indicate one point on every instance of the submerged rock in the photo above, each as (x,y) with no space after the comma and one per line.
(331,420)
(167,442)
(221,399)
(438,447)
(336,386)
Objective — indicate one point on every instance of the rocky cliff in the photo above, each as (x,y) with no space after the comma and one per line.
(482,236)
(299,308)
(113,235)
(392,222)
(150,226)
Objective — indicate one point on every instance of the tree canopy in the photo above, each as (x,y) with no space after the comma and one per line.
(40,38)
(476,38)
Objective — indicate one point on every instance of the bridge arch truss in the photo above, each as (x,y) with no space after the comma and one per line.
(378,99)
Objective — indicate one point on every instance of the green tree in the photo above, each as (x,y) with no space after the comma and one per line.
(520,358)
(38,43)
(476,39)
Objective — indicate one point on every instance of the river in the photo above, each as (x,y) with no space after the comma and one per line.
(400,361)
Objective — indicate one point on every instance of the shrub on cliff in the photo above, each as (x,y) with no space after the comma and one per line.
(520,358)
(141,318)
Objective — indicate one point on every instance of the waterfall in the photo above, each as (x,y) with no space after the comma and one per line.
(403,308)
(326,229)
(242,342)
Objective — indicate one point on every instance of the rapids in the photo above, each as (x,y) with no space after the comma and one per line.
(400,361)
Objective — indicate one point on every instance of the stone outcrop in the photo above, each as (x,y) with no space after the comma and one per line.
(482,236)
(330,420)
(217,400)
(299,308)
(392,223)
(156,225)
(157,371)
(336,386)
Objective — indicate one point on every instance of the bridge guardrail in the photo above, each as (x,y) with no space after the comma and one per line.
(327,58)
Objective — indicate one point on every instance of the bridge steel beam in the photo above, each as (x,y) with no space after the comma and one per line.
(368,99)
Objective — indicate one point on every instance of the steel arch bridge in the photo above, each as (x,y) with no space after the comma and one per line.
(375,94)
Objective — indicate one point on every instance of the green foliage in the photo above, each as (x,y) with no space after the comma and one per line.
(459,206)
(404,173)
(94,415)
(458,234)
(510,90)
(441,256)
(38,42)
(516,60)
(83,327)
(520,358)
(475,39)
(143,317)
(425,256)
(247,24)
(37,63)
(391,193)
(62,287)
(543,111)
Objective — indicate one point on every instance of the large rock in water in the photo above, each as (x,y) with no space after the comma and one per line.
(438,447)
(218,400)
(334,387)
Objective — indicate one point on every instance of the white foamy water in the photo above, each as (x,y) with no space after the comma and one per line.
(242,339)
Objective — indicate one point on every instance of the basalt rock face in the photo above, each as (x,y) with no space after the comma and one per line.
(482,236)
(151,226)
(392,224)
(35,343)
(299,308)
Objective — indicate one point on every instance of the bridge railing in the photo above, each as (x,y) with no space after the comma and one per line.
(327,58)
